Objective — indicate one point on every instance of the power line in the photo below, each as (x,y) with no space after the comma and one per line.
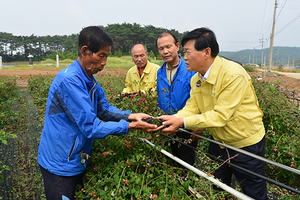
(293,20)
(263,17)
(280,10)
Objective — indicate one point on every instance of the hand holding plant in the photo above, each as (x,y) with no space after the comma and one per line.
(138,116)
(172,123)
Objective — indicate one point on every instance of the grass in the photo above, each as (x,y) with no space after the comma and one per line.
(112,62)
(126,62)
(35,66)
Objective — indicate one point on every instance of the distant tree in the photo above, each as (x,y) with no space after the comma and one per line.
(151,54)
(125,35)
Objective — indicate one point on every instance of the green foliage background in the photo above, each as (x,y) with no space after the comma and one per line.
(124,168)
(125,35)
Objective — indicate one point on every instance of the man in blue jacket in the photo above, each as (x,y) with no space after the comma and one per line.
(77,112)
(173,88)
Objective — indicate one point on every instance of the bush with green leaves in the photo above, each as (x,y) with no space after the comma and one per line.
(8,117)
(281,121)
(125,168)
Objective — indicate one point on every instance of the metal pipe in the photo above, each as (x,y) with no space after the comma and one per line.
(241,168)
(200,173)
(246,153)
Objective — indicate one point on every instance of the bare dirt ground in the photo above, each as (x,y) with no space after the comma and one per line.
(288,81)
(23,75)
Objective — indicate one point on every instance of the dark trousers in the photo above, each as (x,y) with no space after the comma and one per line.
(182,151)
(251,185)
(58,186)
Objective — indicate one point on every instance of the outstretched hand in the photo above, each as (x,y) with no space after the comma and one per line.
(139,124)
(137,116)
(172,123)
(144,126)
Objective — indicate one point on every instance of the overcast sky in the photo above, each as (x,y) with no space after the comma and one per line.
(238,24)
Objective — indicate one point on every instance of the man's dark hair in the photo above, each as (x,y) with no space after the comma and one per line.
(167,33)
(94,38)
(204,38)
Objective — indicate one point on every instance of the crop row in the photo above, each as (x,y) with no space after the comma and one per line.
(124,168)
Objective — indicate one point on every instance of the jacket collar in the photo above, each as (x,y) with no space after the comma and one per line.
(214,71)
(180,65)
(91,78)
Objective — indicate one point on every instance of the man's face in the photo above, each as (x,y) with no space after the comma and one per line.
(139,56)
(194,59)
(167,48)
(95,62)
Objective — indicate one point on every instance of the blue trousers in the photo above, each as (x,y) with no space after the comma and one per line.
(58,186)
(252,186)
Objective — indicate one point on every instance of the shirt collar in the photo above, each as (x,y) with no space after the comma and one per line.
(146,70)
(173,67)
(205,77)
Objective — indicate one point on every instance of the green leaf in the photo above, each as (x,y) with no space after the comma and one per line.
(186,185)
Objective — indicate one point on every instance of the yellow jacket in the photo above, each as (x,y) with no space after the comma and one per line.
(134,82)
(225,104)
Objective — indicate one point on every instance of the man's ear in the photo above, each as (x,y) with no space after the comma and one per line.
(207,52)
(84,51)
(177,46)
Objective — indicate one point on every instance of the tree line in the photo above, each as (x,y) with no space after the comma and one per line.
(125,35)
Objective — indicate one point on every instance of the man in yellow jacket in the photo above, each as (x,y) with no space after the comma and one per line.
(142,76)
(223,100)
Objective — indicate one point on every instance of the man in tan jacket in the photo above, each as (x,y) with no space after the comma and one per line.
(142,76)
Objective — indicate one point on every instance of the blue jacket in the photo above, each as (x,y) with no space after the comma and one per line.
(172,98)
(77,112)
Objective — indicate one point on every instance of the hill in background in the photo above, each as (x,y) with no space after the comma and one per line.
(282,56)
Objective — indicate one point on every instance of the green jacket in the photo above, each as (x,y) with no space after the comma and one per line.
(225,104)
(134,82)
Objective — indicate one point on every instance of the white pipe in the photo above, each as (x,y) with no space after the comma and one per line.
(57,60)
(246,153)
(200,173)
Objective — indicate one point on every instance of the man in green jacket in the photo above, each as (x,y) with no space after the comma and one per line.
(223,100)
(142,76)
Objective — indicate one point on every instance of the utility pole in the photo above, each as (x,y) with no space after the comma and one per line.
(293,61)
(249,59)
(278,58)
(272,38)
(253,56)
(262,52)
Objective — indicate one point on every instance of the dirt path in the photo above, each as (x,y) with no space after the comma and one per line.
(290,81)
(33,72)
(23,75)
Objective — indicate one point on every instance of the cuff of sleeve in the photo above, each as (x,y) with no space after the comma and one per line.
(126,117)
(184,125)
(183,122)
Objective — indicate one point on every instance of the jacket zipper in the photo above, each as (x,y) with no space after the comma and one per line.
(92,96)
(72,149)
(171,90)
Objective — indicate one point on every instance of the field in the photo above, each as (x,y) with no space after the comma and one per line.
(123,167)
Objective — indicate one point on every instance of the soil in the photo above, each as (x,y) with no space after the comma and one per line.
(23,75)
(288,81)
